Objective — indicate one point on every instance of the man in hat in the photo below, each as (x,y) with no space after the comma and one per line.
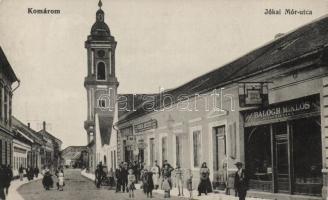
(241,181)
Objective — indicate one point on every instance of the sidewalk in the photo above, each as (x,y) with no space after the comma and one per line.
(15,184)
(174,192)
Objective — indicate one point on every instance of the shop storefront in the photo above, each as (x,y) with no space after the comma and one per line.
(283,151)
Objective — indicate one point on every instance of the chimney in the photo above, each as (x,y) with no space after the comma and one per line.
(278,35)
(29,125)
(44,126)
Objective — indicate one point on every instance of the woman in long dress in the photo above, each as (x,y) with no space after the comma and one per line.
(205,183)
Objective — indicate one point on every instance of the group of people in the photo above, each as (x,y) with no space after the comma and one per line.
(6,175)
(48,182)
(155,177)
(29,171)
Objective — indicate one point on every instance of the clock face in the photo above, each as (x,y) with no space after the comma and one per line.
(101,53)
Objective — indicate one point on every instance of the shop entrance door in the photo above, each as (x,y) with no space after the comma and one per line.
(282,164)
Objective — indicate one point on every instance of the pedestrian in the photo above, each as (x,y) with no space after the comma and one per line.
(98,175)
(241,181)
(149,184)
(61,181)
(205,183)
(179,179)
(131,181)
(166,174)
(124,178)
(8,177)
(36,171)
(189,182)
(118,179)
(111,178)
(21,173)
(47,180)
(166,187)
(156,174)
(2,184)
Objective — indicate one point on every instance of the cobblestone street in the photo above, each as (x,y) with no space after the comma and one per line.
(77,187)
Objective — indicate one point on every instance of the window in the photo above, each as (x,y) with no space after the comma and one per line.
(6,153)
(1,102)
(0,152)
(6,106)
(101,71)
(102,103)
(178,150)
(196,148)
(10,109)
(164,149)
(151,151)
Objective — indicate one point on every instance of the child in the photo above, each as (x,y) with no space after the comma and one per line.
(189,183)
(61,180)
(131,181)
(179,179)
(166,187)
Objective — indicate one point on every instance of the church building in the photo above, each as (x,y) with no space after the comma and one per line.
(101,85)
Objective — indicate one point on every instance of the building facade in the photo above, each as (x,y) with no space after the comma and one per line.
(7,78)
(72,156)
(101,85)
(50,152)
(266,109)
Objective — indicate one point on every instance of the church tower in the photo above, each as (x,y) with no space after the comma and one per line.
(101,83)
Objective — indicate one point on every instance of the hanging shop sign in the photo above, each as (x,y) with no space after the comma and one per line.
(307,106)
(253,94)
(151,124)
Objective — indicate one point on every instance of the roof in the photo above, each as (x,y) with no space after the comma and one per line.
(6,67)
(17,124)
(45,132)
(73,149)
(105,127)
(306,40)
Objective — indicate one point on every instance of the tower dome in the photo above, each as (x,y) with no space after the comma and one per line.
(100,29)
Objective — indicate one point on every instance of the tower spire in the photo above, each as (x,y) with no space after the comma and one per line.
(99,4)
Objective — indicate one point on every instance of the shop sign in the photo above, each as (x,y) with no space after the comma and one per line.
(284,110)
(151,124)
(253,94)
(127,131)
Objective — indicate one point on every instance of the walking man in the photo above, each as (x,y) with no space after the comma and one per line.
(241,181)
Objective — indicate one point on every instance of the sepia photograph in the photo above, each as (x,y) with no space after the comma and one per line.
(164,99)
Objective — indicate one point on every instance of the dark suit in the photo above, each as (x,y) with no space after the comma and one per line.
(241,184)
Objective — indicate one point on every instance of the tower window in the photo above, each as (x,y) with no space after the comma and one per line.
(102,103)
(101,71)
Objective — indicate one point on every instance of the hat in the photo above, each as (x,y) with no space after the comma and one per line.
(239,164)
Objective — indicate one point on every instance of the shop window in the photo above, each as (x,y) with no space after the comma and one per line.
(101,71)
(258,157)
(196,148)
(164,149)
(307,155)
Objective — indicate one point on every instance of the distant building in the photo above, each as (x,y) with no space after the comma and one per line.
(7,78)
(50,152)
(27,146)
(73,155)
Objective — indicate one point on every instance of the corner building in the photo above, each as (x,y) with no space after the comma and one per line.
(269,111)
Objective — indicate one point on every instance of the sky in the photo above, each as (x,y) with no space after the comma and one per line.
(161,44)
